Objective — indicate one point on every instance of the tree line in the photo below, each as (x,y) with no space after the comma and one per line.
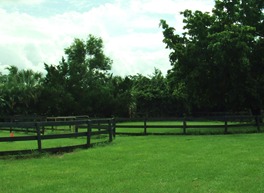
(81,84)
(217,64)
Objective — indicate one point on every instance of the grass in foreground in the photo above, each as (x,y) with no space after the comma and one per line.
(149,164)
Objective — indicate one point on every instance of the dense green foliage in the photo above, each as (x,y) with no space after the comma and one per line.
(217,62)
(217,65)
(20,91)
(171,164)
(151,96)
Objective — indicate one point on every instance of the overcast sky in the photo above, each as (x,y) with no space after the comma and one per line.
(36,31)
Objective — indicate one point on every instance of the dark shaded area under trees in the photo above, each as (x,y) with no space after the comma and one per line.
(217,66)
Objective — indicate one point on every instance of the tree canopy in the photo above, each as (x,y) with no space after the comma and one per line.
(217,62)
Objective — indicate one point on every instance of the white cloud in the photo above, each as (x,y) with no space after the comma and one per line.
(130,30)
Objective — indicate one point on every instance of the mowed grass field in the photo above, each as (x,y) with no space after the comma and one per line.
(147,164)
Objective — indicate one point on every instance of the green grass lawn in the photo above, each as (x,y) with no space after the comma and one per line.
(147,164)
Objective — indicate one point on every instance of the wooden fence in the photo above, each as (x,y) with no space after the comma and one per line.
(187,125)
(91,127)
(36,118)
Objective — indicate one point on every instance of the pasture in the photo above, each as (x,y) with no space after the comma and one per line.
(147,164)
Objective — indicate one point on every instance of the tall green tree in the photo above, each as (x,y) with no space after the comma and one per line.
(81,78)
(216,62)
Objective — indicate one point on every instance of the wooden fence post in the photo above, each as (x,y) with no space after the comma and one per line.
(76,128)
(184,125)
(42,130)
(114,127)
(38,137)
(110,131)
(225,125)
(89,132)
(145,126)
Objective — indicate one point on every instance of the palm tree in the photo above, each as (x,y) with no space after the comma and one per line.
(30,83)
(20,88)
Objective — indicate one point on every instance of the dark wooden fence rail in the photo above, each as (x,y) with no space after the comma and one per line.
(88,128)
(227,122)
(36,118)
